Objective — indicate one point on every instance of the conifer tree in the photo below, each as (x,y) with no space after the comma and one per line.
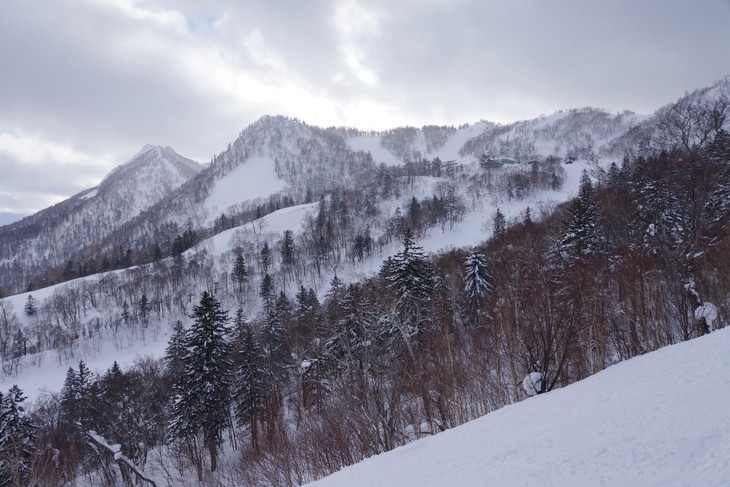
(479,281)
(144,308)
(250,380)
(265,258)
(581,238)
(175,352)
(30,306)
(287,248)
(307,316)
(500,224)
(203,393)
(17,435)
(267,295)
(355,335)
(410,276)
(527,220)
(125,312)
(275,335)
(77,401)
(333,297)
(240,273)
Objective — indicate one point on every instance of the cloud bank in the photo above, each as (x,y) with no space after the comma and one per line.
(86,83)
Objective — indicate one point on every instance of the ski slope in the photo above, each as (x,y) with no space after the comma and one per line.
(661,419)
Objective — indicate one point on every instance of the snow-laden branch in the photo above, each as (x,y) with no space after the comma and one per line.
(116,451)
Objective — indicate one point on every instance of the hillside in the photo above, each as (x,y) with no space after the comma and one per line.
(658,419)
(365,289)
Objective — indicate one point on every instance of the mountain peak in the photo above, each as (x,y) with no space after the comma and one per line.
(149,156)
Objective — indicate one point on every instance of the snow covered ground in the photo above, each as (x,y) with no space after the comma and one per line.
(254,179)
(661,419)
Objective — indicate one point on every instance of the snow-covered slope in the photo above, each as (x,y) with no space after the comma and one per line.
(145,179)
(585,133)
(658,419)
(50,237)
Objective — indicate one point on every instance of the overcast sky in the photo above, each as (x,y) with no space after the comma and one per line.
(84,84)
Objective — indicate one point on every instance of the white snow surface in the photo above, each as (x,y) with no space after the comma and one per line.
(256,178)
(657,420)
(290,218)
(448,152)
(371,144)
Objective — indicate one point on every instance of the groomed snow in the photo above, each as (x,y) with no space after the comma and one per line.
(658,420)
(290,218)
(371,144)
(255,178)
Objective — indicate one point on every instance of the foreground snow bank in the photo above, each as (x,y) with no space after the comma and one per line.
(659,419)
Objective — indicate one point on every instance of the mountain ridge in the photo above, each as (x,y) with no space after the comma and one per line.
(50,237)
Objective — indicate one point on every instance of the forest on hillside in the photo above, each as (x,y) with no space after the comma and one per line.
(638,260)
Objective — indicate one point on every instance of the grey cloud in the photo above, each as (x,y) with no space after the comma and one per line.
(84,74)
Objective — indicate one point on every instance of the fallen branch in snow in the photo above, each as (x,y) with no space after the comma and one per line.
(116,451)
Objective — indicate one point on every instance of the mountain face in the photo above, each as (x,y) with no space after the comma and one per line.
(157,195)
(300,162)
(50,237)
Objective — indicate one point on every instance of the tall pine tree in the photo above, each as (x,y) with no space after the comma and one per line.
(250,379)
(203,393)
(17,435)
(410,276)
(478,279)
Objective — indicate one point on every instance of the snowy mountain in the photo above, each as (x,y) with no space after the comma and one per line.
(277,160)
(588,255)
(658,419)
(51,237)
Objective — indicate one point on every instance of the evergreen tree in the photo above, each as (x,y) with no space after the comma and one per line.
(414,214)
(30,306)
(17,351)
(581,238)
(240,273)
(716,209)
(17,435)
(265,258)
(249,383)
(144,309)
(479,281)
(555,182)
(175,352)
(355,335)
(78,397)
(275,335)
(287,248)
(410,276)
(267,294)
(500,224)
(203,393)
(307,316)
(333,297)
